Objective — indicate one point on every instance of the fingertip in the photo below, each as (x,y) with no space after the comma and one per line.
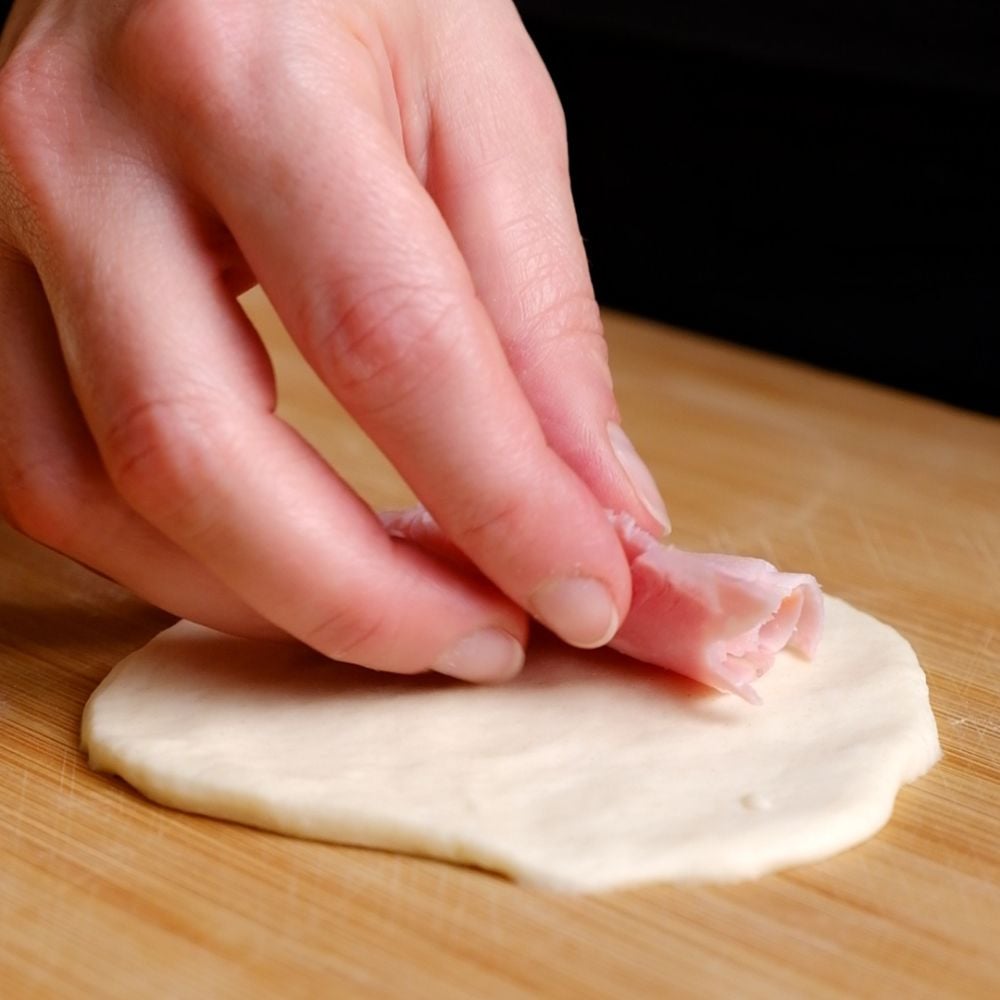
(639,477)
(580,610)
(488,655)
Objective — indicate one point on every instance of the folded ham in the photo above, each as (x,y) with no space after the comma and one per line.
(719,619)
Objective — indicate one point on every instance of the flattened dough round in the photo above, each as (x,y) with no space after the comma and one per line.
(589,772)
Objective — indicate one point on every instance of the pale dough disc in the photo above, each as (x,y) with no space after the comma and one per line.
(590,772)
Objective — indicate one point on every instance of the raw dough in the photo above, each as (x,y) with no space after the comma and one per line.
(589,772)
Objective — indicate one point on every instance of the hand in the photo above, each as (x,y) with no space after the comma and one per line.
(394,175)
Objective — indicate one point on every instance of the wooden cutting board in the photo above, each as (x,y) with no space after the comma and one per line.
(892,501)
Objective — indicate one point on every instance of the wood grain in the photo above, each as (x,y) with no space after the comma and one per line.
(894,503)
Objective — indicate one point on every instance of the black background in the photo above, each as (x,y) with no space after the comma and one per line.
(816,180)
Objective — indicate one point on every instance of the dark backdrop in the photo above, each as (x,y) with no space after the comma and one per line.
(815,179)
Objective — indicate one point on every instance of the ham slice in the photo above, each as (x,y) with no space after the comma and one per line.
(719,619)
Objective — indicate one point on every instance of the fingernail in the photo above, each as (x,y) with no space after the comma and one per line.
(638,475)
(578,609)
(491,654)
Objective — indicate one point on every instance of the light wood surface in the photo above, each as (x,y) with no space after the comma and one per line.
(893,502)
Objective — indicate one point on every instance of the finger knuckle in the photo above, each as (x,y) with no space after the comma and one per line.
(36,74)
(14,112)
(557,312)
(189,59)
(48,499)
(353,632)
(491,522)
(378,349)
(37,84)
(159,456)
(555,324)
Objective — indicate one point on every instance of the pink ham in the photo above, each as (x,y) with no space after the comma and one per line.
(719,619)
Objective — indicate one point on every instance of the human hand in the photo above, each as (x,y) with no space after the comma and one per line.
(394,175)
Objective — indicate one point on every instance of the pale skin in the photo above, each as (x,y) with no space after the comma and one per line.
(394,174)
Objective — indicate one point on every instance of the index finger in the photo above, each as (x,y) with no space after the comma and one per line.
(499,171)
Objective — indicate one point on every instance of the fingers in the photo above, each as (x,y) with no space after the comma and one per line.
(498,171)
(308,175)
(171,381)
(54,488)
(360,265)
